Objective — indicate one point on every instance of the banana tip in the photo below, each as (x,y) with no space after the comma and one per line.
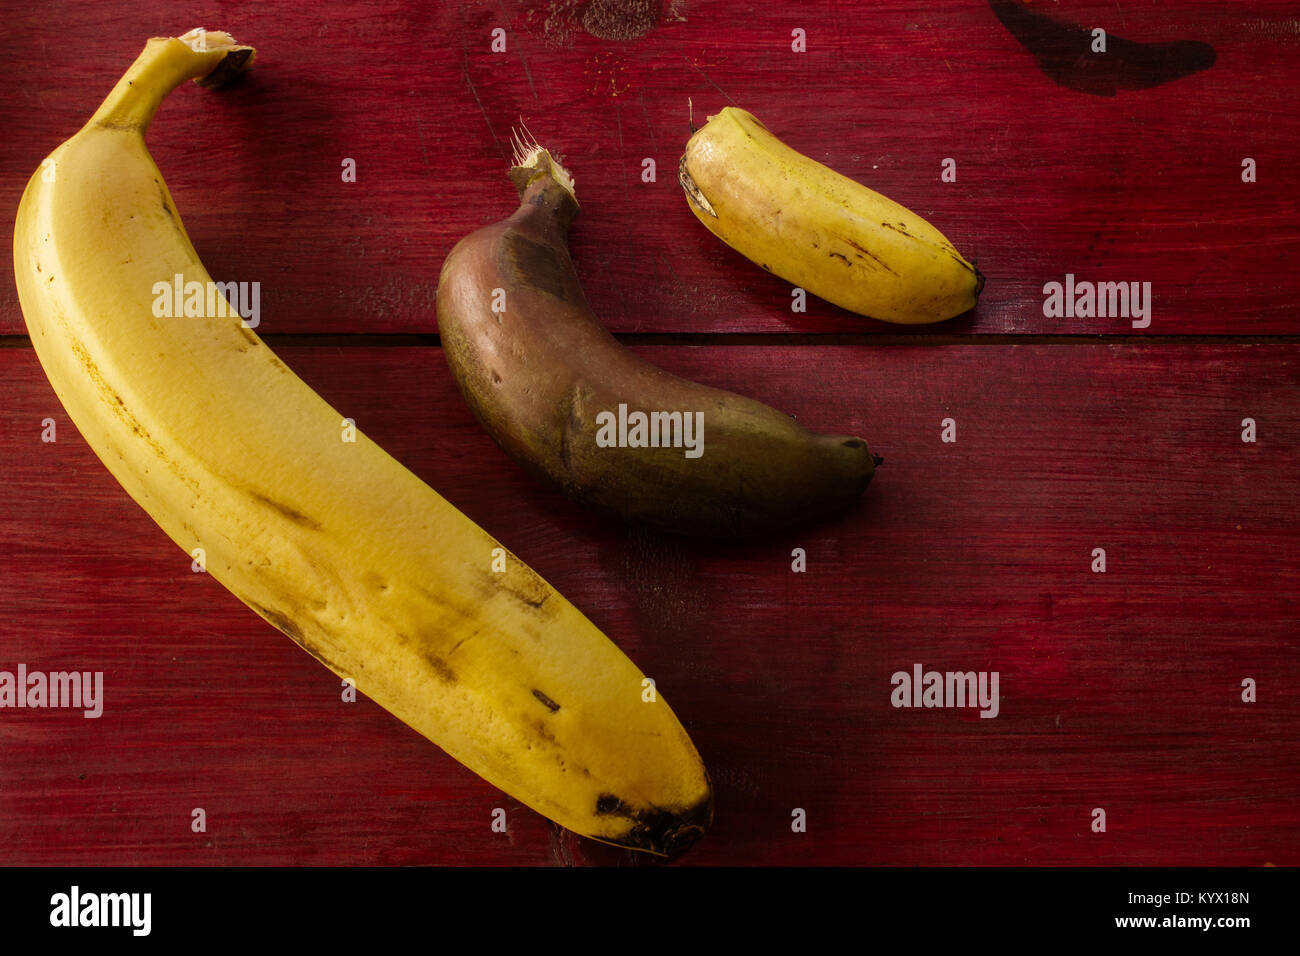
(663,832)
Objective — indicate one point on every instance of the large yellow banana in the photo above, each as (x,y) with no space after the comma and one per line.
(822,231)
(331,541)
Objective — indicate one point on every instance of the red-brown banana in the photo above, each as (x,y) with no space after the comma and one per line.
(564,398)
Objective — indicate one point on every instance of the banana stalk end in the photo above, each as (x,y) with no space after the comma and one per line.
(533,162)
(234,64)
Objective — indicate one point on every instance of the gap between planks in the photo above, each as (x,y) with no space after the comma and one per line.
(422,340)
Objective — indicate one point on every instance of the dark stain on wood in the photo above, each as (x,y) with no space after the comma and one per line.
(621,20)
(1064,52)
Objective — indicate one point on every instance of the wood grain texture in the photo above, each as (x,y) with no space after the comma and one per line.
(1141,186)
(1119,690)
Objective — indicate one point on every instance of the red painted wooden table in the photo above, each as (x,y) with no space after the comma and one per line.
(1120,691)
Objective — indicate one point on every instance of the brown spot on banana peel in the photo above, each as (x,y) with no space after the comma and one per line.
(869,254)
(551,705)
(535,264)
(545,735)
(439,667)
(297,517)
(519,582)
(537,381)
(286,625)
(162,194)
(281,622)
(946,248)
(92,370)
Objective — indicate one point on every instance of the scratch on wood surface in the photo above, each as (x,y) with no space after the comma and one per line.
(618,120)
(419,132)
(650,127)
(1017,221)
(473,92)
(677,280)
(698,70)
(529,74)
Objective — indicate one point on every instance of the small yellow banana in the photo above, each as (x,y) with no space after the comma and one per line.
(332,541)
(820,230)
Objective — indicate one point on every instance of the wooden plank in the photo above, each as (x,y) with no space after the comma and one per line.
(1119,690)
(1142,186)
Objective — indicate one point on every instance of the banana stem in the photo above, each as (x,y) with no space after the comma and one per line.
(166,62)
(543,182)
